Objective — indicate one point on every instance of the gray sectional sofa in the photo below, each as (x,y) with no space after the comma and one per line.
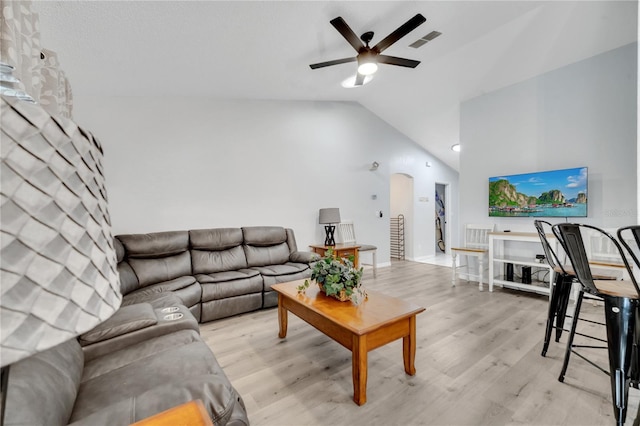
(149,357)
(216,272)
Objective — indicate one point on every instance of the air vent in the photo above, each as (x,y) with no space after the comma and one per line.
(425,39)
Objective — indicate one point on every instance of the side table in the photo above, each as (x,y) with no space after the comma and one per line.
(339,251)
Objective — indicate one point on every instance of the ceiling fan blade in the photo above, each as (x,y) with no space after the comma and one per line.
(402,31)
(392,60)
(334,62)
(347,33)
(359,80)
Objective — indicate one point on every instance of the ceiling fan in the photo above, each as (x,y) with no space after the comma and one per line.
(369,57)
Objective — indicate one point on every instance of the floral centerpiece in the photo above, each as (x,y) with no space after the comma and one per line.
(337,278)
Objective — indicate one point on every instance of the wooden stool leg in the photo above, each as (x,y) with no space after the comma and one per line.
(466,259)
(375,263)
(480,273)
(453,268)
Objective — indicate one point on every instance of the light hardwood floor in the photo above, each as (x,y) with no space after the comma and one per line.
(478,363)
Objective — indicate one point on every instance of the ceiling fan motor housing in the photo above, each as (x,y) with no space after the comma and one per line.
(367,37)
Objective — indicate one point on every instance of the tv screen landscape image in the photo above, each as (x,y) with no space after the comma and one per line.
(554,193)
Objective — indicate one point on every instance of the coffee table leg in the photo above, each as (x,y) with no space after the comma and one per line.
(359,369)
(282,317)
(409,348)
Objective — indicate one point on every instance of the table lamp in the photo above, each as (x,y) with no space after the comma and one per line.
(328,217)
(58,265)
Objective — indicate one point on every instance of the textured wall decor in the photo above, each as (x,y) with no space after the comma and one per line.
(58,274)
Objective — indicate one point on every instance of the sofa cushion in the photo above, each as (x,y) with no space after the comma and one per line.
(103,365)
(270,280)
(271,255)
(157,244)
(186,288)
(264,236)
(216,239)
(265,245)
(217,277)
(286,269)
(127,319)
(171,359)
(222,402)
(155,270)
(47,381)
(229,306)
(223,289)
(164,323)
(156,257)
(156,300)
(206,262)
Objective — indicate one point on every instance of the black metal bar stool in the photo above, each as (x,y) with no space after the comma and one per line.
(560,289)
(560,295)
(634,254)
(621,301)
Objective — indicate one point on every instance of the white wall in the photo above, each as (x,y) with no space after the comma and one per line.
(581,115)
(186,163)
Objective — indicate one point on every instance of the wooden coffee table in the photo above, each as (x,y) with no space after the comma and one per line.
(378,320)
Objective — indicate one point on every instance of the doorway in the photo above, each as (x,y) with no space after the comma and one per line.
(401,197)
(440,218)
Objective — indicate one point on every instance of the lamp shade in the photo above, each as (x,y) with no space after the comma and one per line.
(57,260)
(331,215)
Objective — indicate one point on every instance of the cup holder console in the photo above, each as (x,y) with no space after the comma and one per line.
(170,309)
(173,317)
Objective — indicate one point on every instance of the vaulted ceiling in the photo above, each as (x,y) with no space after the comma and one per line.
(262,50)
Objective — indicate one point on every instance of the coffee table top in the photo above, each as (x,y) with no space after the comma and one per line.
(376,311)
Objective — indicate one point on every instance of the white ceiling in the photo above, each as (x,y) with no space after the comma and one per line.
(261,50)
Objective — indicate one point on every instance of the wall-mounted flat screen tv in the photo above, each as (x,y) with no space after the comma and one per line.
(553,193)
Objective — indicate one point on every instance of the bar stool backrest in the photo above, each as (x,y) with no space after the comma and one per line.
(552,257)
(571,238)
(632,249)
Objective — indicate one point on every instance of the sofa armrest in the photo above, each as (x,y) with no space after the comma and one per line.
(127,319)
(304,257)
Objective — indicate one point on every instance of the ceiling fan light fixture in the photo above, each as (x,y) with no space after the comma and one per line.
(367,63)
(367,68)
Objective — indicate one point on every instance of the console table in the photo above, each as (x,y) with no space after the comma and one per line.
(339,251)
(498,255)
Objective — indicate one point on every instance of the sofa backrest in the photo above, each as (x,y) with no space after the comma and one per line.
(216,250)
(157,257)
(43,388)
(145,259)
(265,245)
(128,280)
